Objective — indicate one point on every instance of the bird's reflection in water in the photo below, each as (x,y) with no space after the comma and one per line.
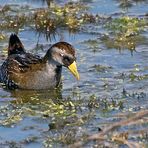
(36,97)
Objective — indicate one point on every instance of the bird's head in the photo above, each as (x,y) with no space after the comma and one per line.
(63,54)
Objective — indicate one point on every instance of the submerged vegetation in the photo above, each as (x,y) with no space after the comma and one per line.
(108,107)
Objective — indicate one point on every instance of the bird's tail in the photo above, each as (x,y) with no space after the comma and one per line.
(15,45)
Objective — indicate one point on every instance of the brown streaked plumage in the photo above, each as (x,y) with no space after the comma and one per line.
(27,71)
(64,46)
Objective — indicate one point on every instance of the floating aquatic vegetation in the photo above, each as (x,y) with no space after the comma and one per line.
(111,104)
(11,144)
(2,36)
(13,117)
(126,26)
(14,23)
(100,68)
(4,9)
(45,20)
(68,137)
(125,33)
(92,44)
(49,21)
(122,42)
(93,103)
(90,18)
(135,77)
(44,23)
(126,4)
(47,109)
(106,104)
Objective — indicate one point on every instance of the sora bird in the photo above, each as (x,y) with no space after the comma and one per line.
(27,71)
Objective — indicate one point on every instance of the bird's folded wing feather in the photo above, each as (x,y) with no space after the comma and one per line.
(18,66)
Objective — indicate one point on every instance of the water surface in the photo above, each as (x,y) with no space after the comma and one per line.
(112,82)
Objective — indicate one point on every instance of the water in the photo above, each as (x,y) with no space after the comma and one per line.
(46,118)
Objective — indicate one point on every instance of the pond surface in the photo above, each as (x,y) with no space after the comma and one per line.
(113,81)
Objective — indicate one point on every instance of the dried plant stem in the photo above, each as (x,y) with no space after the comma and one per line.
(126,142)
(102,135)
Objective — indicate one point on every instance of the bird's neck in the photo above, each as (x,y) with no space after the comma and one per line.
(56,69)
(47,56)
(53,65)
(51,62)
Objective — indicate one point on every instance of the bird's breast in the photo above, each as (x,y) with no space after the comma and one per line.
(45,78)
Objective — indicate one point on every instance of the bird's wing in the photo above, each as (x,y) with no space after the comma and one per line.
(17,66)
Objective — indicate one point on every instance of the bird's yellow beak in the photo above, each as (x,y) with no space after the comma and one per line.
(73,70)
